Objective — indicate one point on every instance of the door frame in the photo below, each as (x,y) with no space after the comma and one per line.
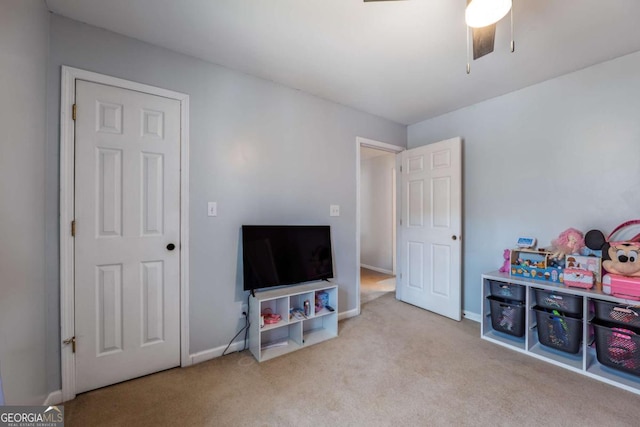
(67,199)
(393,149)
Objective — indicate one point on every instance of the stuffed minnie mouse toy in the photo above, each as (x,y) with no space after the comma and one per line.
(620,260)
(617,257)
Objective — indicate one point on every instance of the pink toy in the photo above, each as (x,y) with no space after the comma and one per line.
(621,286)
(506,264)
(570,241)
(578,278)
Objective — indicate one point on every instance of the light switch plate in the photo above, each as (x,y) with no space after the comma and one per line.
(334,210)
(212,209)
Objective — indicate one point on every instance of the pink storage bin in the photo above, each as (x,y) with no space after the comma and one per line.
(621,286)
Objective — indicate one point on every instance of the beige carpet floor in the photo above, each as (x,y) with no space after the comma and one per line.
(374,284)
(394,365)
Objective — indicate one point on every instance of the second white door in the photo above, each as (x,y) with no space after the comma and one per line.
(429,236)
(127,245)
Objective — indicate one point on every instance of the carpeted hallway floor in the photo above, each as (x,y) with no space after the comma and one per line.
(374,285)
(394,365)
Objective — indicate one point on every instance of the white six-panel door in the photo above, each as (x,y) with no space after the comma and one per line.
(429,249)
(127,213)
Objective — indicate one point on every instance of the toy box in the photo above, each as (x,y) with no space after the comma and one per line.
(578,278)
(621,286)
(534,264)
(322,300)
(587,263)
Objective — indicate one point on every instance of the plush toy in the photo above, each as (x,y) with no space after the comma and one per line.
(570,241)
(620,260)
(506,264)
(617,257)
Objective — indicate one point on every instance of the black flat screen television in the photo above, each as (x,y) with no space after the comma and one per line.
(278,255)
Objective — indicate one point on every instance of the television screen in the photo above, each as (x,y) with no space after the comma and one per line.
(276,255)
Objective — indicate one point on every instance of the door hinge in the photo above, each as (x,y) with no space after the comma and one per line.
(73,228)
(71,341)
(400,165)
(400,221)
(73,112)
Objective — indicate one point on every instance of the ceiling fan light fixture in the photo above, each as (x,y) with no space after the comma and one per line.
(480,13)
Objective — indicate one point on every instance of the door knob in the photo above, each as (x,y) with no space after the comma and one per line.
(454,237)
(171,246)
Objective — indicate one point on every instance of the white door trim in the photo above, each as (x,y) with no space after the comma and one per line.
(67,197)
(395,149)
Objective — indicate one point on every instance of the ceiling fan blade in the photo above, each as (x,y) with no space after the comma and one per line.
(483,40)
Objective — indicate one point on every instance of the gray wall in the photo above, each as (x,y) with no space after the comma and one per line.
(24,29)
(266,153)
(563,153)
(376,211)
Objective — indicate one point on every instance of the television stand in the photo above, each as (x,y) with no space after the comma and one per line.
(291,333)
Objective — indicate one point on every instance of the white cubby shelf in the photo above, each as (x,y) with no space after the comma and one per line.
(290,333)
(585,361)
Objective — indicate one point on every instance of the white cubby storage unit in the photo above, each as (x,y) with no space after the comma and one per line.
(585,361)
(290,333)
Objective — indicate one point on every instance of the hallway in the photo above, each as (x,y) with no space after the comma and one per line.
(374,284)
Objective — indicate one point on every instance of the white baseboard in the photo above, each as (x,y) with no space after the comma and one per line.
(347,314)
(472,316)
(54,398)
(212,353)
(379,270)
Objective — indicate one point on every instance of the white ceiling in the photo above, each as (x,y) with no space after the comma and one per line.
(402,60)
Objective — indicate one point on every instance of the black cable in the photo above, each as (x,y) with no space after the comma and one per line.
(247,324)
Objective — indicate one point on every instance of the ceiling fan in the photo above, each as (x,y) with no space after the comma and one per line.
(481,17)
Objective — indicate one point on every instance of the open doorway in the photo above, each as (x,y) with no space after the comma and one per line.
(374,284)
(376,219)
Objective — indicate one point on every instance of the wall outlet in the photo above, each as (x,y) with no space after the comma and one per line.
(334,210)
(212,209)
